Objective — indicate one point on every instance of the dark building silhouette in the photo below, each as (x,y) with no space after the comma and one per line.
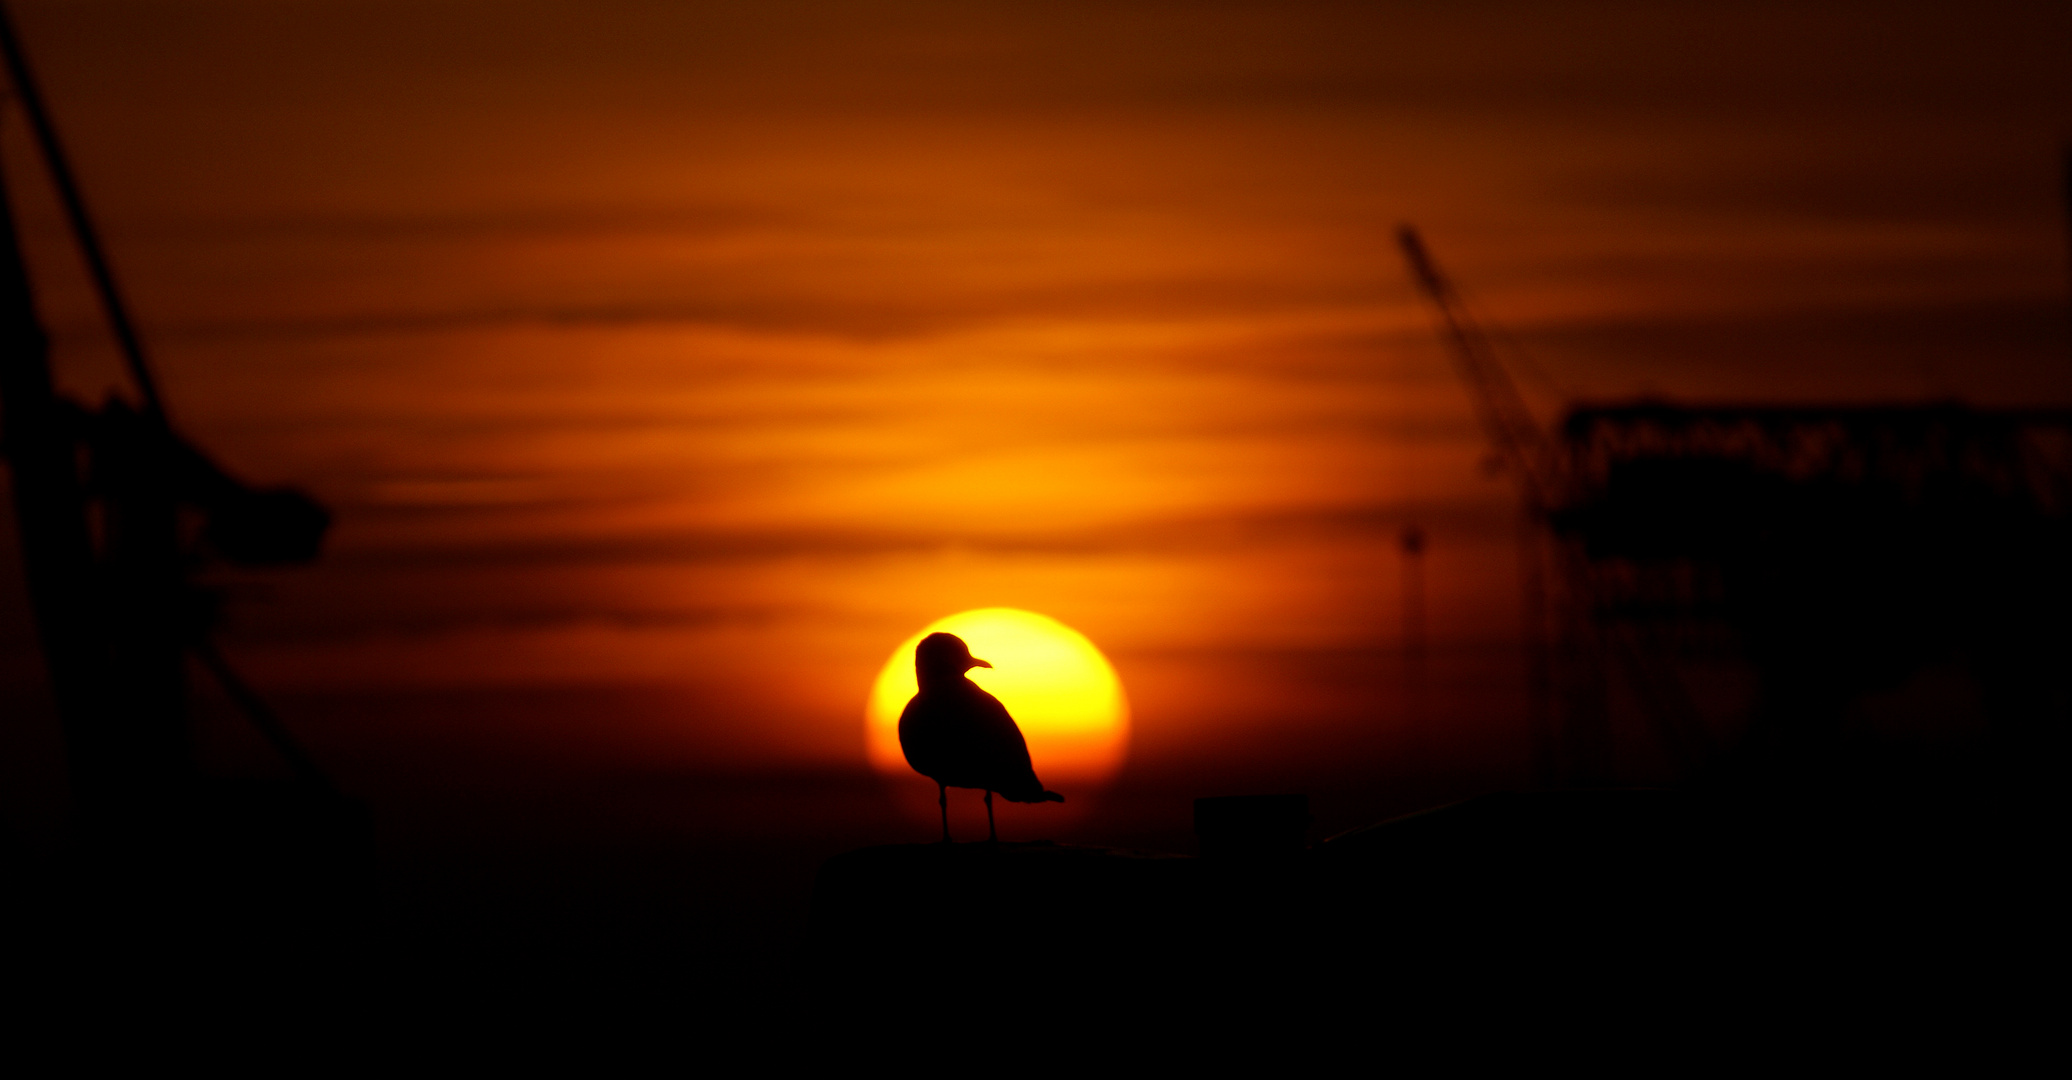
(1831,553)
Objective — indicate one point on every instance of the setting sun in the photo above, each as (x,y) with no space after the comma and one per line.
(1059,688)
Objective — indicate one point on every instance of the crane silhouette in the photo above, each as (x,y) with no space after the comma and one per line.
(957,735)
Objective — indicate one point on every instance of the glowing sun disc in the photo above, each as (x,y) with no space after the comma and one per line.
(1058,687)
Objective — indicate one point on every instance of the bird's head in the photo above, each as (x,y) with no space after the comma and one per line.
(943,656)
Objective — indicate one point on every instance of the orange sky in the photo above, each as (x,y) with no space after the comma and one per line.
(724,346)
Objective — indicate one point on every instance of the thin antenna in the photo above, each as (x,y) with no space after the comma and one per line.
(75,212)
(2068,225)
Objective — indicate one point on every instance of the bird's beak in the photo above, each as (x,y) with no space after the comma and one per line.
(976,662)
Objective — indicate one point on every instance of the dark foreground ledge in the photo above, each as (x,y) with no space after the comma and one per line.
(1555,898)
(950,898)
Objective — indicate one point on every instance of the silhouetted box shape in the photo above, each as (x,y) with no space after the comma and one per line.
(1252,826)
(263,528)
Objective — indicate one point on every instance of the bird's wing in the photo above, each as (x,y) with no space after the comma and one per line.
(997,747)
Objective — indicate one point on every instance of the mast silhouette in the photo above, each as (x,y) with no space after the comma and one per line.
(99,496)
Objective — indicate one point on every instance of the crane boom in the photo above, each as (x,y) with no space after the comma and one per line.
(1527,451)
(89,238)
(1519,442)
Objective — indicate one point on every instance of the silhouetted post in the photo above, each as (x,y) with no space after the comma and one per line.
(42,438)
(1252,826)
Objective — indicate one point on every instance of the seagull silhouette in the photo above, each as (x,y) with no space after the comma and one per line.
(960,736)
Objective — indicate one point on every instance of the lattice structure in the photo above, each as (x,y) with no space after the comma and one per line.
(1832,551)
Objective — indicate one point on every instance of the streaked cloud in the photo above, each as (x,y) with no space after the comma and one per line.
(646,341)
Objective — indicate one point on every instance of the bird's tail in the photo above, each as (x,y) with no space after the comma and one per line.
(1039,795)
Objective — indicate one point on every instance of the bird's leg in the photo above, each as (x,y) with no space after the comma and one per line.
(991,836)
(942,799)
